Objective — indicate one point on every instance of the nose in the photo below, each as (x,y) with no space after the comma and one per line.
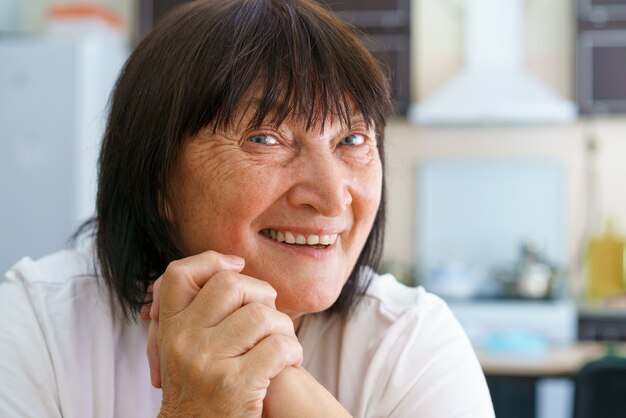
(321,181)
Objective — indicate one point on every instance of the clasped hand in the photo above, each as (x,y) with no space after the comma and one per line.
(215,338)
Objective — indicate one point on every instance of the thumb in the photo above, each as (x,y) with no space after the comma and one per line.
(153,354)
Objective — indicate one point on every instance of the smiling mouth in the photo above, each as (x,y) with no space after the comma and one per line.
(287,237)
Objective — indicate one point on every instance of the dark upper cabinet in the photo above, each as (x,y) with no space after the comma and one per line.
(601,11)
(601,56)
(374,15)
(150,12)
(386,29)
(384,24)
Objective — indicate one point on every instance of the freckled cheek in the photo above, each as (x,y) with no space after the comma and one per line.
(369,191)
(244,200)
(227,227)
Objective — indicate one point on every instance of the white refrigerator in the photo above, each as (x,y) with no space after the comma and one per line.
(54,90)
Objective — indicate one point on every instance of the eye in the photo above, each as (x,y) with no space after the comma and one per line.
(263,139)
(352,140)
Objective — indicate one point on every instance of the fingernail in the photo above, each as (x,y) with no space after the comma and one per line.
(234,260)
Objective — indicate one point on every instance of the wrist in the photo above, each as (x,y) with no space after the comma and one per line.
(295,392)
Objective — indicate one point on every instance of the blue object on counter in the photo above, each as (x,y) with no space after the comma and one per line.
(517,342)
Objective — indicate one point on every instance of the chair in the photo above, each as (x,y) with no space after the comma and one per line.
(601,389)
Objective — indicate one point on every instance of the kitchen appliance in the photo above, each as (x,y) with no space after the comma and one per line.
(493,87)
(54,90)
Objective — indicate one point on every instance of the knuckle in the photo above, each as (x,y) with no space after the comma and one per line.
(175,268)
(260,314)
(229,382)
(279,344)
(288,321)
(282,346)
(174,348)
(212,256)
(227,280)
(270,290)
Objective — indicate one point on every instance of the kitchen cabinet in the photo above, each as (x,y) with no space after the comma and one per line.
(599,323)
(601,56)
(385,28)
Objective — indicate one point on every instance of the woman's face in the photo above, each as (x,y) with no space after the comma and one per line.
(296,204)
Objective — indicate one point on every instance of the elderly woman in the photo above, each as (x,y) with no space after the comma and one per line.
(240,215)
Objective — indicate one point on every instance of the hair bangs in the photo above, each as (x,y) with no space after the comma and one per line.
(298,68)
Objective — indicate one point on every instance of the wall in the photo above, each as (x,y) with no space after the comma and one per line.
(408,144)
(437,56)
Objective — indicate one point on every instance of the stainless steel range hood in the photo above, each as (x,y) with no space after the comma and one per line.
(493,88)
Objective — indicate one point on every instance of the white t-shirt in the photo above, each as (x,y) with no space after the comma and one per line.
(65,352)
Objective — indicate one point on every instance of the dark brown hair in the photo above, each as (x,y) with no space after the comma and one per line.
(196,69)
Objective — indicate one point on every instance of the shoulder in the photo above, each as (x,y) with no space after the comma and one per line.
(409,354)
(420,346)
(408,321)
(39,303)
(56,290)
(64,340)
(56,269)
(390,310)
(63,293)
(390,298)
(60,283)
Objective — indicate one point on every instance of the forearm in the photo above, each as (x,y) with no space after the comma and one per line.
(294,392)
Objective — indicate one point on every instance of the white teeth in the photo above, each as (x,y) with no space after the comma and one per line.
(300,239)
(312,240)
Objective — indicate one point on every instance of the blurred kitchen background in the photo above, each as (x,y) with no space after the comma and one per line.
(506,168)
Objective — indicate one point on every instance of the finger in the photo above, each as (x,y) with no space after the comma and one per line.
(225,293)
(183,279)
(154,305)
(144,312)
(153,354)
(247,326)
(270,356)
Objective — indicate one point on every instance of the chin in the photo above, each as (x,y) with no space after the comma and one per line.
(312,301)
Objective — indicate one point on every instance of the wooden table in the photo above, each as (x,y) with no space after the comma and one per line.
(557,361)
(512,379)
